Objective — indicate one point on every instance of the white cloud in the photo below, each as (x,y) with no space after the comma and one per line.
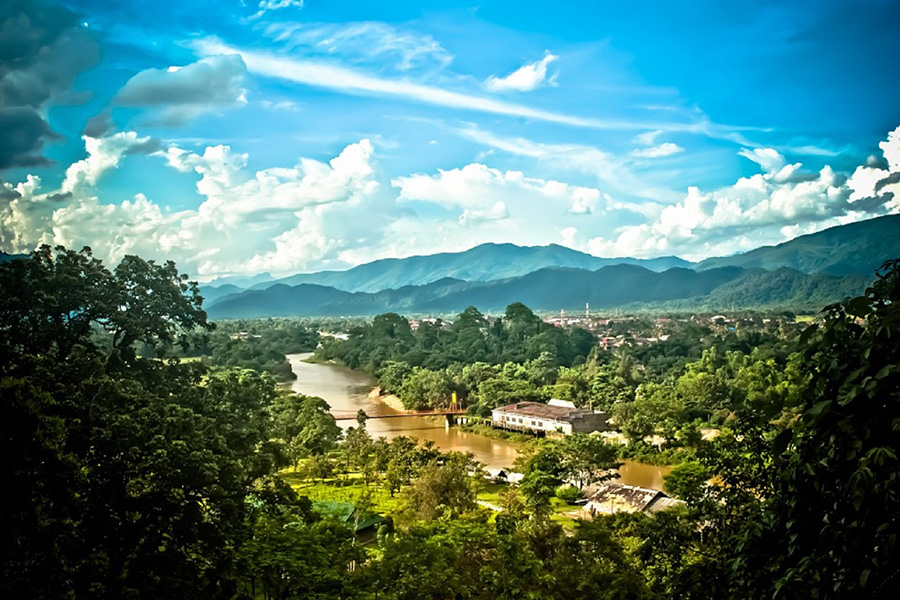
(497,212)
(766,208)
(610,170)
(270,5)
(325,75)
(475,186)
(285,105)
(524,79)
(178,94)
(103,154)
(280,219)
(647,138)
(315,215)
(658,151)
(362,42)
(767,158)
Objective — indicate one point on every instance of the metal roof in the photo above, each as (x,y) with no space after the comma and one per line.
(544,411)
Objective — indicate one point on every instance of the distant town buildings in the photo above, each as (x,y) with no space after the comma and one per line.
(555,418)
(243,335)
(337,336)
(416,323)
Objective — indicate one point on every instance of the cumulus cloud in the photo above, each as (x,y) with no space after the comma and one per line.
(179,94)
(276,219)
(497,212)
(42,52)
(769,207)
(363,42)
(474,187)
(104,154)
(526,78)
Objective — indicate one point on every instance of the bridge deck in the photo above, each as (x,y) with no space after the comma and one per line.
(349,417)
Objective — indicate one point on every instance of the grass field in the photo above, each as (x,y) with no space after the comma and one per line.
(350,486)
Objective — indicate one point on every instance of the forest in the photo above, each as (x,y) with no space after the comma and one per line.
(136,474)
(694,377)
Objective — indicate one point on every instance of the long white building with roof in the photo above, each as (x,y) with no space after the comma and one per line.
(555,418)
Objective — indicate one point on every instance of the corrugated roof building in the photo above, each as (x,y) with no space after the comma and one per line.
(557,417)
(609,498)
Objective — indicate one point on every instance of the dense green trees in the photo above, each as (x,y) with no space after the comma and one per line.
(518,336)
(828,526)
(128,476)
(58,299)
(304,425)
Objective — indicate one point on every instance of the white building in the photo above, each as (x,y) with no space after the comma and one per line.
(556,417)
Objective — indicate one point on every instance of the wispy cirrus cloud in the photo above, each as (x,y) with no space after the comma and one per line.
(272,5)
(318,73)
(362,42)
(610,169)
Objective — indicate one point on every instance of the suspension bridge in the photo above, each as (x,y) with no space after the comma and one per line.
(345,416)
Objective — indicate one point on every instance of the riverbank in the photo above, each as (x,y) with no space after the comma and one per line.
(487,430)
(387,399)
(348,391)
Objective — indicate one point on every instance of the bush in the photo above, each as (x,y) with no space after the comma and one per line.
(569,493)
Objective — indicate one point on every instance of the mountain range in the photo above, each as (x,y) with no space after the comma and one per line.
(805,273)
(487,262)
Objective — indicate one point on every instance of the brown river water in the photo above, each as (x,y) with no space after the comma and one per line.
(347,391)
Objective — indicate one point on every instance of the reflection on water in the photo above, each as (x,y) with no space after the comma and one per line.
(347,391)
(641,475)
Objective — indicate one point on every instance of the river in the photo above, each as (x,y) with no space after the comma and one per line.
(347,391)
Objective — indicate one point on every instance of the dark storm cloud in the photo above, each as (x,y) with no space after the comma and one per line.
(892,178)
(98,125)
(42,49)
(24,133)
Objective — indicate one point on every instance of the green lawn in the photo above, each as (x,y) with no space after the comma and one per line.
(350,486)
(345,488)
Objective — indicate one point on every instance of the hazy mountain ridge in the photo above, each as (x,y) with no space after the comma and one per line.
(806,272)
(853,249)
(552,289)
(486,262)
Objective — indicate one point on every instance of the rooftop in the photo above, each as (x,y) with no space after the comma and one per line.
(616,497)
(544,411)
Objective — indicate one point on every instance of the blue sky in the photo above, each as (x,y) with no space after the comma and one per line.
(286,136)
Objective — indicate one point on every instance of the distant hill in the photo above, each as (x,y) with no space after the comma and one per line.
(552,289)
(852,249)
(807,272)
(241,281)
(211,293)
(4,257)
(787,288)
(487,262)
